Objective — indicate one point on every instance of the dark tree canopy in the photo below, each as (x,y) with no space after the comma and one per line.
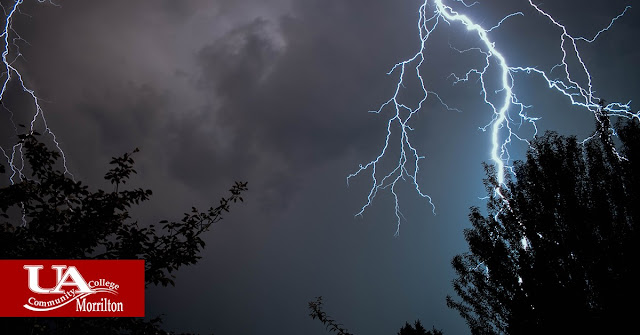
(558,253)
(48,215)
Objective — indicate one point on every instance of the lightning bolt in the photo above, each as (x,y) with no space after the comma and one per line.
(507,110)
(10,74)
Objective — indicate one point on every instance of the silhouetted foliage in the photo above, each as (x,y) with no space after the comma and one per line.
(318,313)
(557,254)
(417,329)
(48,215)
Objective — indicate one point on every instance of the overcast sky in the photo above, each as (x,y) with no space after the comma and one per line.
(277,93)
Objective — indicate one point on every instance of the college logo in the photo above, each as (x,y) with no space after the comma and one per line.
(72,288)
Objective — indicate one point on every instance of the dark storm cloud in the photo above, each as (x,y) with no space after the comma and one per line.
(265,91)
(126,74)
(289,95)
(259,91)
(276,93)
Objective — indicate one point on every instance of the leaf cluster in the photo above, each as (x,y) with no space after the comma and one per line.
(556,249)
(48,215)
(318,313)
(418,329)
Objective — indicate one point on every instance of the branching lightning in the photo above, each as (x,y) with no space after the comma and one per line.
(10,74)
(507,110)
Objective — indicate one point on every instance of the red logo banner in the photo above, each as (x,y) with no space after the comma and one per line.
(93,288)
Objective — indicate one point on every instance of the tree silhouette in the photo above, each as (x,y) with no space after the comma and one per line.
(557,254)
(333,326)
(48,215)
(318,313)
(417,329)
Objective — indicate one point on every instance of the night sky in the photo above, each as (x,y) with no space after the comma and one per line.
(277,93)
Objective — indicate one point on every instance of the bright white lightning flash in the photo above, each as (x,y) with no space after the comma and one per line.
(433,13)
(10,73)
